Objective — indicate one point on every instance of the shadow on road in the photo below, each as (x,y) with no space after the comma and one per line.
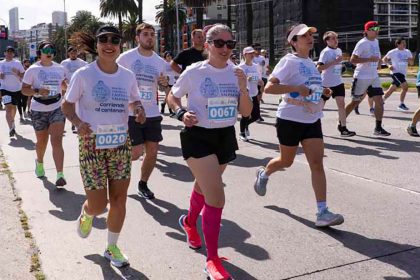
(22,142)
(69,204)
(380,250)
(170,151)
(246,161)
(111,273)
(174,170)
(231,234)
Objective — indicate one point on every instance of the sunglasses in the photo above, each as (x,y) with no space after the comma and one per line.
(113,39)
(48,51)
(219,43)
(375,28)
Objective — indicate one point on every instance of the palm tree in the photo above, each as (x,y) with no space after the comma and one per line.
(117,8)
(129,29)
(140,10)
(199,9)
(249,22)
(84,21)
(166,16)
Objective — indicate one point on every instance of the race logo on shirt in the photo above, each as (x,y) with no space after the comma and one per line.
(48,75)
(208,88)
(137,66)
(304,70)
(100,92)
(7,70)
(402,57)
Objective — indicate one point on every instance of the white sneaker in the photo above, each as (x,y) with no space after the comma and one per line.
(327,219)
(242,137)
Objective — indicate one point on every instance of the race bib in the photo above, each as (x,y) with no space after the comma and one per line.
(6,99)
(110,136)
(315,96)
(146,93)
(54,90)
(337,70)
(222,108)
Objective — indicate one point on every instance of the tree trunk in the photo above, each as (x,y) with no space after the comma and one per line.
(271,31)
(249,22)
(418,28)
(229,12)
(140,9)
(199,11)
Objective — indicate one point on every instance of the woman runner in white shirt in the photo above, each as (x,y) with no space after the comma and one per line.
(97,103)
(216,92)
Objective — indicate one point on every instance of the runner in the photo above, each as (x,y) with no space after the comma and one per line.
(367,58)
(400,58)
(216,91)
(262,68)
(190,55)
(72,63)
(26,63)
(299,118)
(330,65)
(173,76)
(11,72)
(97,103)
(254,80)
(45,81)
(150,70)
(411,129)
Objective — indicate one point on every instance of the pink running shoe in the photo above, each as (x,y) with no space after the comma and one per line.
(193,238)
(215,270)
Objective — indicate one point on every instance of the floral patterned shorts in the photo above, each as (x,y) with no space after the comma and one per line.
(97,166)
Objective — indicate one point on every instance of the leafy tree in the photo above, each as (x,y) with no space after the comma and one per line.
(199,6)
(117,8)
(129,29)
(166,17)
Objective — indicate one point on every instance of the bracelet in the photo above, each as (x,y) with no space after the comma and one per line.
(179,113)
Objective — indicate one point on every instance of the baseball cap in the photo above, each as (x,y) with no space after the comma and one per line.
(248,50)
(108,29)
(299,30)
(10,48)
(370,24)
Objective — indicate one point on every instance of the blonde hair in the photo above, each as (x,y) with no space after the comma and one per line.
(328,35)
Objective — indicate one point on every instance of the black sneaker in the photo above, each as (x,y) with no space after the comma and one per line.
(145,192)
(347,133)
(162,108)
(381,132)
(356,110)
(12,132)
(412,131)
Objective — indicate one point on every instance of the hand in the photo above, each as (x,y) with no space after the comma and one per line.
(374,58)
(140,115)
(391,67)
(15,70)
(327,92)
(261,83)
(163,80)
(189,119)
(242,79)
(303,90)
(84,129)
(43,92)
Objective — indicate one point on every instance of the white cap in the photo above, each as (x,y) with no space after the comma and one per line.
(299,30)
(248,50)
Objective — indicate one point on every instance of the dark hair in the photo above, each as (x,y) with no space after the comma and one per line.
(26,60)
(84,41)
(143,26)
(42,45)
(294,39)
(399,41)
(165,54)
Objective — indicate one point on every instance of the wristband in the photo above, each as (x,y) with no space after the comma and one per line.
(325,98)
(180,112)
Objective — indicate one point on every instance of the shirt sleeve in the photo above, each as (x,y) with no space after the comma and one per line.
(20,68)
(281,72)
(28,77)
(75,89)
(410,55)
(182,86)
(358,49)
(322,58)
(180,58)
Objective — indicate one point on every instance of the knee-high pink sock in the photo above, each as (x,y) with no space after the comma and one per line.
(196,204)
(211,229)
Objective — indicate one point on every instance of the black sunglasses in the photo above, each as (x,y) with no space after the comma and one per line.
(219,43)
(114,39)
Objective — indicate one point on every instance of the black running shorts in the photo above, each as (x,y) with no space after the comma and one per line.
(291,133)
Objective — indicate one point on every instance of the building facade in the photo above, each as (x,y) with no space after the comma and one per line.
(13,20)
(59,18)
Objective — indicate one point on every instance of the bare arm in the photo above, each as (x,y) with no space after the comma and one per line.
(29,91)
(176,67)
(273,86)
(354,59)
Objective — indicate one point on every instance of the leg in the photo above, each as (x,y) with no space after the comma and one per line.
(136,152)
(379,107)
(56,131)
(117,200)
(314,152)
(96,201)
(390,90)
(10,115)
(149,160)
(41,144)
(19,103)
(370,101)
(341,110)
(404,87)
(353,104)
(416,117)
(284,160)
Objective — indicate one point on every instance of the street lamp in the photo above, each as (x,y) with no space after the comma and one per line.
(177,26)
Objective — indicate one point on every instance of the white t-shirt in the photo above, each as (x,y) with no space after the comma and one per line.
(11,81)
(147,70)
(213,94)
(101,98)
(73,65)
(261,62)
(173,76)
(364,49)
(253,76)
(47,77)
(399,60)
(331,76)
(293,70)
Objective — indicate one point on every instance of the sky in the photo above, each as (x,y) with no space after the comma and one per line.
(37,11)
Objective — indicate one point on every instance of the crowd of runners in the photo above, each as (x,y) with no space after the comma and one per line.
(112,104)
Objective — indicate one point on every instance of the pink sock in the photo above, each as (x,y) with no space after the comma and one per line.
(211,229)
(196,204)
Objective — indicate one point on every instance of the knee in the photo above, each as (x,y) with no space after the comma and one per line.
(317,165)
(57,141)
(118,201)
(136,152)
(97,208)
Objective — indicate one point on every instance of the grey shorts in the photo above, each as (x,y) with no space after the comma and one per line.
(42,120)
(371,86)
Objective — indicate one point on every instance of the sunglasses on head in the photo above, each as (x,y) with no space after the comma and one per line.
(48,50)
(219,43)
(374,28)
(113,39)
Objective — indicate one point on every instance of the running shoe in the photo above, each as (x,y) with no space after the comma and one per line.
(260,185)
(60,180)
(326,219)
(25,115)
(193,238)
(12,132)
(403,108)
(145,192)
(84,224)
(347,133)
(162,108)
(39,169)
(412,131)
(381,132)
(261,119)
(242,137)
(356,110)
(115,256)
(247,132)
(215,270)
(372,111)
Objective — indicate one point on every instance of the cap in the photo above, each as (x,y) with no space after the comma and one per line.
(299,30)
(248,50)
(10,48)
(108,29)
(370,24)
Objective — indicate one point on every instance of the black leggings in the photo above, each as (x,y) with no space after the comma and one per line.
(22,102)
(255,115)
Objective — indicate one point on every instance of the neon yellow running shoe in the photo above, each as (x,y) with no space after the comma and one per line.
(39,169)
(84,224)
(114,255)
